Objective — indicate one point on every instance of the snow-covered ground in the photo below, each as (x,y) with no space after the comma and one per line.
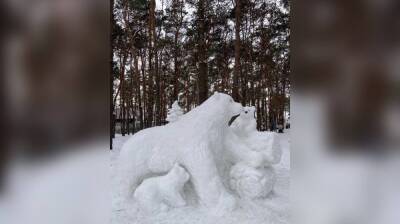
(70,187)
(272,209)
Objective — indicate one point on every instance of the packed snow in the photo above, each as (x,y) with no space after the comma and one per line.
(250,182)
(225,186)
(70,187)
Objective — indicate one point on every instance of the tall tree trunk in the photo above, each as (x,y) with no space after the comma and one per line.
(131,107)
(135,115)
(138,91)
(259,112)
(176,66)
(177,55)
(158,93)
(203,76)
(111,80)
(237,69)
(283,102)
(144,84)
(186,96)
(151,33)
(162,87)
(122,91)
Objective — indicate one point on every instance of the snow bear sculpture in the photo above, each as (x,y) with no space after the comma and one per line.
(195,141)
(157,194)
(250,146)
(250,182)
(239,150)
(245,124)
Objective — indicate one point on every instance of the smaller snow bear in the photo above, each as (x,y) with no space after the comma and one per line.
(238,150)
(245,124)
(160,193)
(249,145)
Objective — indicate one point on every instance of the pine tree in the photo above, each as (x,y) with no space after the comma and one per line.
(190,48)
(174,112)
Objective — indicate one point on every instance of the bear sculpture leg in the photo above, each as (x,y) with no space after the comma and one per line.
(208,184)
(135,173)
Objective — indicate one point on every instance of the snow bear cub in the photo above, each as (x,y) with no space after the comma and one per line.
(245,124)
(250,146)
(160,193)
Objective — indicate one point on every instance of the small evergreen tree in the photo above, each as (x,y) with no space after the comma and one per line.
(174,112)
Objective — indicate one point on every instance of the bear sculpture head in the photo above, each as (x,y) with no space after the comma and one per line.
(248,113)
(179,174)
(225,101)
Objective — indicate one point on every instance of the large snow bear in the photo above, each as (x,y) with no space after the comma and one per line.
(157,194)
(195,141)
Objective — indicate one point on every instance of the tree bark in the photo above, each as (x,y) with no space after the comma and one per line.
(122,92)
(151,33)
(237,69)
(158,93)
(111,80)
(138,91)
(203,76)
(144,85)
